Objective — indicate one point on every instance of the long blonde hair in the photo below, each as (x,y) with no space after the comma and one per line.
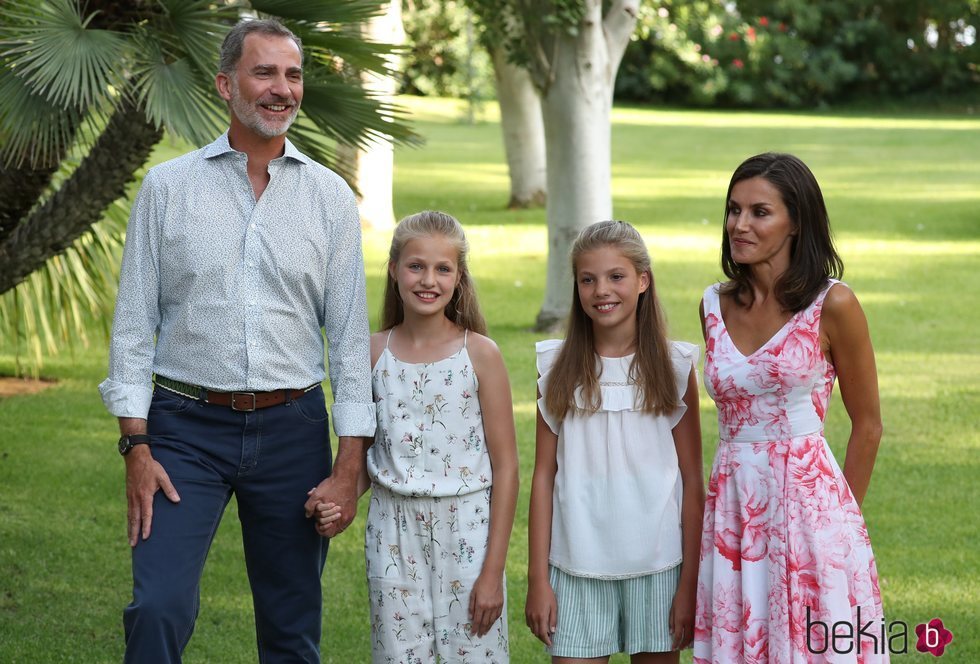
(651,367)
(463,309)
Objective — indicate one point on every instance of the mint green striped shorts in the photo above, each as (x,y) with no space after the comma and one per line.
(599,617)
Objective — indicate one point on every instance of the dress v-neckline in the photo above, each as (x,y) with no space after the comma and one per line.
(768,341)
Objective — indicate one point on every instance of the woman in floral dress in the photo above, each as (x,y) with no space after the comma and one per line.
(787,573)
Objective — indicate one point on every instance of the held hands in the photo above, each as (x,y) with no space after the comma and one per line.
(486,602)
(541,611)
(326,516)
(338,499)
(144,477)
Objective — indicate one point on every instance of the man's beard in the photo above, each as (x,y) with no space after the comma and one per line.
(249,116)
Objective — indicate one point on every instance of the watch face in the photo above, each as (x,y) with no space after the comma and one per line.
(124,445)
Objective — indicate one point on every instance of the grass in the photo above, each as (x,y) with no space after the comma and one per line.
(903,192)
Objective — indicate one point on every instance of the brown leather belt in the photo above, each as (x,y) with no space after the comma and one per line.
(240,401)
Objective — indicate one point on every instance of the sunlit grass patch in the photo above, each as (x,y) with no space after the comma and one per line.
(902,193)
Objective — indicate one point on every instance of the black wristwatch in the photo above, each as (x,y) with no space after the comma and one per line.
(127,443)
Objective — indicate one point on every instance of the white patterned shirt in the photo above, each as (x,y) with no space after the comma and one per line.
(236,291)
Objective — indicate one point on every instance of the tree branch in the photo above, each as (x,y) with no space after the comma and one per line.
(100,179)
(618,24)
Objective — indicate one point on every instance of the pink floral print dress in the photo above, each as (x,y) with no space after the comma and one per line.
(785,553)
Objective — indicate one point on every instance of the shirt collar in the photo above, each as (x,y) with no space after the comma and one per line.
(221,146)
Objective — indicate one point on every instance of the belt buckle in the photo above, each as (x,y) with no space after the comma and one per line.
(235,396)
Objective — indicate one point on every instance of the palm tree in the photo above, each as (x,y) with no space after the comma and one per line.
(88,88)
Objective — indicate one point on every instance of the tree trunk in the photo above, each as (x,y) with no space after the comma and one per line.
(20,189)
(371,171)
(101,178)
(523,129)
(577,106)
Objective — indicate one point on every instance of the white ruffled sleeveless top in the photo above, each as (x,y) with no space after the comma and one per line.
(617,496)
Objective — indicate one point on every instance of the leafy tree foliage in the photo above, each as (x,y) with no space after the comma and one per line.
(443,58)
(795,52)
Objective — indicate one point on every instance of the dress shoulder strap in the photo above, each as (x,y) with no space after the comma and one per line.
(388,338)
(466,334)
(818,300)
(712,302)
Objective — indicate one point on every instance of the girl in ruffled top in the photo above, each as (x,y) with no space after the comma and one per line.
(617,494)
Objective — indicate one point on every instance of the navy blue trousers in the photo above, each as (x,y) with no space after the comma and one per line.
(268,459)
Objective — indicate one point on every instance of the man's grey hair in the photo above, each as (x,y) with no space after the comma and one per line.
(231,47)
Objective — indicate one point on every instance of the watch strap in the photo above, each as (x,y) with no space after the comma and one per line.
(127,443)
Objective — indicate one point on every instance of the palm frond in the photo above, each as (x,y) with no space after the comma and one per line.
(173,92)
(61,303)
(32,131)
(353,115)
(71,64)
(351,48)
(198,27)
(313,142)
(337,12)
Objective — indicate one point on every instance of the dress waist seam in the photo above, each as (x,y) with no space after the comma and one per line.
(752,440)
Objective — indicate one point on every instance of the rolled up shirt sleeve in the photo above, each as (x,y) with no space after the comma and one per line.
(346,323)
(129,387)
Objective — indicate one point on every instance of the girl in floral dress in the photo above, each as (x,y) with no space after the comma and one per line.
(785,555)
(443,465)
(617,495)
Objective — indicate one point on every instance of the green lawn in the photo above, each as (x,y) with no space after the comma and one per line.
(903,192)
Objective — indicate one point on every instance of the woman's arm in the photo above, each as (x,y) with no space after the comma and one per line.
(487,595)
(541,608)
(847,344)
(687,442)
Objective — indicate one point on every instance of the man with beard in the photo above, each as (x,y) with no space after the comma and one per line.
(237,256)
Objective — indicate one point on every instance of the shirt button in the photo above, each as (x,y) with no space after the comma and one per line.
(252,226)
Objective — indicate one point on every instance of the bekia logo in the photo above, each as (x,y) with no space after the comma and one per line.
(874,636)
(933,637)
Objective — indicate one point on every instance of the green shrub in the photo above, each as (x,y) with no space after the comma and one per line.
(799,53)
(444,57)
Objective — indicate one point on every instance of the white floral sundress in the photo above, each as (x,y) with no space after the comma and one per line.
(429,519)
(784,548)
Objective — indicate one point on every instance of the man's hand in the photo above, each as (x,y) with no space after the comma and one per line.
(336,493)
(144,477)
(341,490)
